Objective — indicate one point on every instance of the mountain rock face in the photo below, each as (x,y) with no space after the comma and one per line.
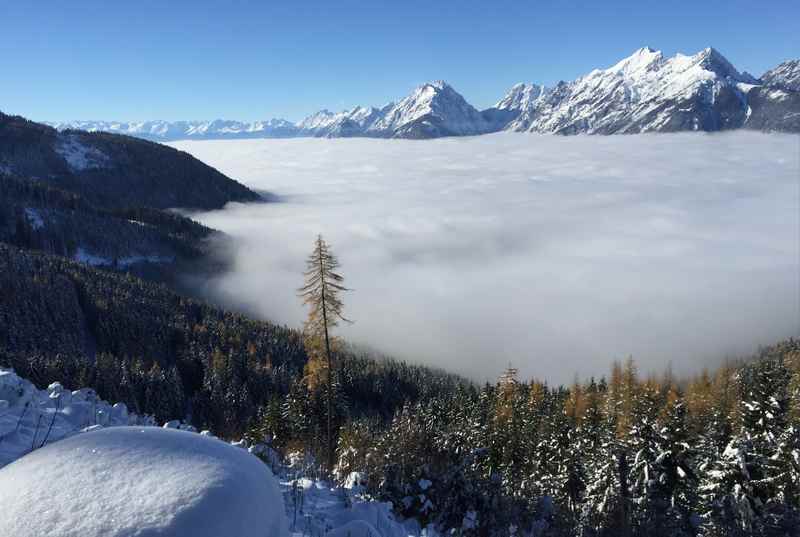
(775,104)
(112,171)
(645,92)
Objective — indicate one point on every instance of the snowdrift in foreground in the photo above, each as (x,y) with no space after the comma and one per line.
(140,481)
(125,481)
(31,418)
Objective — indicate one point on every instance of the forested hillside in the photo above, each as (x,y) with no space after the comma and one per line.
(171,356)
(715,455)
(113,171)
(146,242)
(101,199)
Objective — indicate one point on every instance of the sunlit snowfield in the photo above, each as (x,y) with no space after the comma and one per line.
(555,254)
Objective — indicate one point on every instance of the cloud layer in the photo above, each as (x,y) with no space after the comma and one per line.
(555,254)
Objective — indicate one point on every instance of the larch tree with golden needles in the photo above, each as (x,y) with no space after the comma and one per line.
(323,284)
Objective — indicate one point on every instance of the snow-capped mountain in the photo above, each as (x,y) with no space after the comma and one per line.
(159,130)
(432,110)
(328,124)
(645,92)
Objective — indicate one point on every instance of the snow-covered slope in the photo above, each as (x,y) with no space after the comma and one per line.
(785,76)
(641,93)
(125,481)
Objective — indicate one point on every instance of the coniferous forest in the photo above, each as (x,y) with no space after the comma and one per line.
(625,454)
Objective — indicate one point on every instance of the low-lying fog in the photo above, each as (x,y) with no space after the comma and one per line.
(555,254)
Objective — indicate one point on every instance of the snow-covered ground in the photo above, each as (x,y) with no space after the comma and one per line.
(315,509)
(74,465)
(557,254)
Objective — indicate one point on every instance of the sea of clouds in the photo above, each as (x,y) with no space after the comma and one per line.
(555,254)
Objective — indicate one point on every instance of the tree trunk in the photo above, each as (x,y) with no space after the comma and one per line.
(330,365)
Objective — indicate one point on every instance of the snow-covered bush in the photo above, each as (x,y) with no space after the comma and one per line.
(31,418)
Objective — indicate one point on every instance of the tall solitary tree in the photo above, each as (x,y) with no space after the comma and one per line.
(321,294)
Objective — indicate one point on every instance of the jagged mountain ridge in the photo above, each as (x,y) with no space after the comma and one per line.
(645,92)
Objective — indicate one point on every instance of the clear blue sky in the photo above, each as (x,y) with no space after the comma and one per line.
(256,60)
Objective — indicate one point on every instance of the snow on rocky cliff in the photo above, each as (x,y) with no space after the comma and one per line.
(785,76)
(643,92)
(432,110)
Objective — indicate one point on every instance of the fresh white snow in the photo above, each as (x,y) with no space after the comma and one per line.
(140,481)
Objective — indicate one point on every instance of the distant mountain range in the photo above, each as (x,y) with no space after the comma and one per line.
(645,92)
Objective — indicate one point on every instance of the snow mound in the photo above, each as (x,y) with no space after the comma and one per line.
(142,481)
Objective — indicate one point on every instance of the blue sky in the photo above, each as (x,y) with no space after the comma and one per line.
(257,60)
